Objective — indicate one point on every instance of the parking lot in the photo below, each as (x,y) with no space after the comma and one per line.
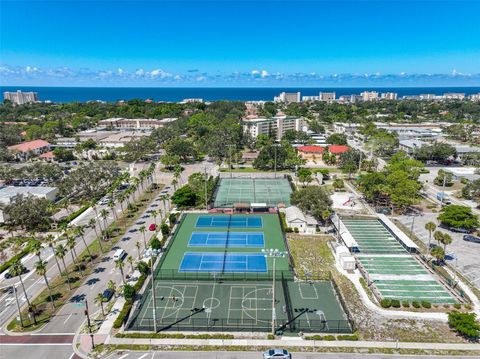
(466,253)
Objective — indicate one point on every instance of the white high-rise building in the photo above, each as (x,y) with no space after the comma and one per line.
(288,97)
(327,96)
(369,95)
(20,98)
(275,126)
(389,95)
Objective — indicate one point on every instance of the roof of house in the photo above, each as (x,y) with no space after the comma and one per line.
(47,155)
(250,155)
(311,149)
(338,149)
(412,143)
(29,146)
(292,213)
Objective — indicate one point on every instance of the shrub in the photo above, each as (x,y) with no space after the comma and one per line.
(123,315)
(395,303)
(329,337)
(405,304)
(270,336)
(415,304)
(139,283)
(128,292)
(426,304)
(352,337)
(165,229)
(143,267)
(289,230)
(446,306)
(386,303)
(467,306)
(465,324)
(295,229)
(172,218)
(457,305)
(155,243)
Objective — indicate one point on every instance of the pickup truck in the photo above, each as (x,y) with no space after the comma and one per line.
(443,197)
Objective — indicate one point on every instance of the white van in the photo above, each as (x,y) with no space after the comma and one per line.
(119,254)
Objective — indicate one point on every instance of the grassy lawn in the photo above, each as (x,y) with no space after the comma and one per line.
(311,254)
(59,285)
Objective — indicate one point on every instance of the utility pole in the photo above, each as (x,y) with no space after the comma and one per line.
(153,294)
(274,254)
(18,305)
(89,324)
(206,193)
(443,189)
(275,160)
(230,158)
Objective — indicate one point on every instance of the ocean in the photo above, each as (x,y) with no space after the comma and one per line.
(176,94)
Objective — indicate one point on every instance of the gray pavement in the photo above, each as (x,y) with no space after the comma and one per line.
(258,355)
(36,351)
(466,253)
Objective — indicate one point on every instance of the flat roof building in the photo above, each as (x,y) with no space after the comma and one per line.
(275,126)
(20,98)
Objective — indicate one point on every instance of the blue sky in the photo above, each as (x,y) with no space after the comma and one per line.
(229,43)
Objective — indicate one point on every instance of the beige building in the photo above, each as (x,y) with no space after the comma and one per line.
(288,97)
(135,123)
(369,95)
(275,126)
(327,96)
(20,98)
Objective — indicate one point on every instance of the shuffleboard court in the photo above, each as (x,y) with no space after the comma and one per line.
(227,221)
(223,262)
(391,269)
(227,239)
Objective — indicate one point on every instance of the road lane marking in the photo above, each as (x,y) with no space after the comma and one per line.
(34,344)
(143,356)
(123,356)
(67,318)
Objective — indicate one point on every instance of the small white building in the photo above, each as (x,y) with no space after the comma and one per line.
(344,258)
(295,218)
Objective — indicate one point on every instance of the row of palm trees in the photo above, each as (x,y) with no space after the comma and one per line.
(441,238)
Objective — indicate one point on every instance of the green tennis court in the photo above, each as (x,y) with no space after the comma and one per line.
(391,269)
(241,306)
(272,191)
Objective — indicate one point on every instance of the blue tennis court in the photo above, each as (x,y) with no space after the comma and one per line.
(229,222)
(223,262)
(227,239)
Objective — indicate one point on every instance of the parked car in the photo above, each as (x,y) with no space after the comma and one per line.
(462,230)
(107,295)
(277,354)
(470,238)
(152,227)
(8,275)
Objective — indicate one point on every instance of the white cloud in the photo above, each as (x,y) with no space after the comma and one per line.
(159,73)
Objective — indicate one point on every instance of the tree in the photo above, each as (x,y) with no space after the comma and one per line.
(438,237)
(430,227)
(143,267)
(80,231)
(130,261)
(138,245)
(443,177)
(29,212)
(337,139)
(99,301)
(472,190)
(63,154)
(155,243)
(465,324)
(313,200)
(383,143)
(284,156)
(60,252)
(457,216)
(178,147)
(50,240)
(119,264)
(142,230)
(438,253)
(112,286)
(304,175)
(41,270)
(185,197)
(438,152)
(446,240)
(349,161)
(128,292)
(16,270)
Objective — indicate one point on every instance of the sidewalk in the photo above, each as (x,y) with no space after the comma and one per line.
(298,342)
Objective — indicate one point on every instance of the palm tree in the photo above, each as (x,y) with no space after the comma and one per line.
(104,215)
(111,205)
(174,183)
(130,260)
(71,246)
(80,231)
(112,286)
(119,264)
(41,269)
(50,240)
(121,198)
(430,227)
(164,198)
(438,253)
(60,252)
(36,248)
(155,215)
(92,223)
(99,301)
(143,229)
(446,240)
(17,269)
(438,237)
(138,245)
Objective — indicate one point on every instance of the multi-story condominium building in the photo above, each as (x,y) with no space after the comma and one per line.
(310,98)
(26,150)
(135,123)
(389,95)
(475,97)
(427,96)
(20,98)
(327,96)
(453,96)
(275,126)
(369,95)
(288,97)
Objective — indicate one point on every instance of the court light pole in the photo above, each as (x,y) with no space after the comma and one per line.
(154,252)
(230,158)
(206,195)
(275,145)
(274,254)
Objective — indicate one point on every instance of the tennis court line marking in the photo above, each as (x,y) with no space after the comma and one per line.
(301,293)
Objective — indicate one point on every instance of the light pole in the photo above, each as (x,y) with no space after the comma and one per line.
(152,260)
(230,158)
(206,199)
(275,145)
(274,254)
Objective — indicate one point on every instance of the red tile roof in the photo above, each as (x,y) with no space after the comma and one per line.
(337,149)
(47,155)
(311,149)
(29,146)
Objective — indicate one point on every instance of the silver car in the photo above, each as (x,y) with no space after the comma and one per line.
(277,354)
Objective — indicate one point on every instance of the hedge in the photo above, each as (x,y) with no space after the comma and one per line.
(74,215)
(174,336)
(123,315)
(5,266)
